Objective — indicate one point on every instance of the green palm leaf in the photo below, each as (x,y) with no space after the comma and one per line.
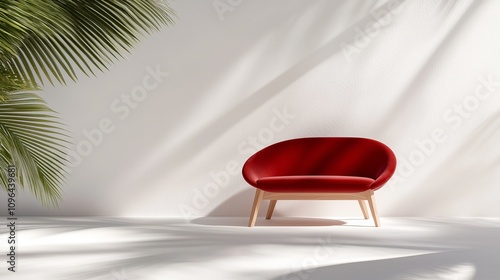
(33,140)
(49,40)
(56,40)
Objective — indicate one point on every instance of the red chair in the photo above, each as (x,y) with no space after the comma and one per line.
(319,168)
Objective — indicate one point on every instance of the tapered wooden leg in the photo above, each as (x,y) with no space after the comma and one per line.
(270,210)
(373,208)
(255,208)
(363,208)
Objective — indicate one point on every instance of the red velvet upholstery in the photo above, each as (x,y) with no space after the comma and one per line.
(322,165)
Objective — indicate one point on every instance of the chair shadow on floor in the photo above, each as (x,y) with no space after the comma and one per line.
(231,212)
(274,222)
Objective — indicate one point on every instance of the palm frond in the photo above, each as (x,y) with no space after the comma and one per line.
(11,83)
(32,138)
(55,41)
(49,40)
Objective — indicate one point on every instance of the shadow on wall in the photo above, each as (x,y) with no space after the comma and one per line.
(177,143)
(192,146)
(212,131)
(478,156)
(411,95)
(457,189)
(235,205)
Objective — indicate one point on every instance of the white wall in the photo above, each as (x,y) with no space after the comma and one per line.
(230,71)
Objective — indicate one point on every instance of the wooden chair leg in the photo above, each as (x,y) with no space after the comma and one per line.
(255,208)
(363,208)
(373,208)
(270,210)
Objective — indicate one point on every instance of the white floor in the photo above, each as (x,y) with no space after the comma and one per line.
(283,248)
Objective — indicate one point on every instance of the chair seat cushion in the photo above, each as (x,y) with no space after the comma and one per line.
(314,184)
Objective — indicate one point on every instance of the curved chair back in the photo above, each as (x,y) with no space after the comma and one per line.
(343,156)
